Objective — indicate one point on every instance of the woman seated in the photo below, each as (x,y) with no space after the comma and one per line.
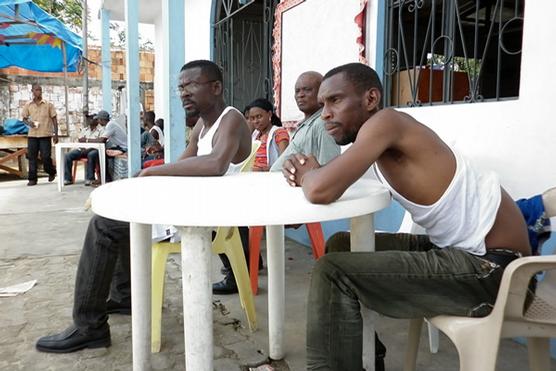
(274,139)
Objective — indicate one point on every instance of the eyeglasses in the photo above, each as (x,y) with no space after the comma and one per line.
(192,86)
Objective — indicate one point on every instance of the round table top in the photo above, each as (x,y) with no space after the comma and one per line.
(246,199)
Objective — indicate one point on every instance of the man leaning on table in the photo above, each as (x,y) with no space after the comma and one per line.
(40,116)
(474,229)
(220,142)
(310,137)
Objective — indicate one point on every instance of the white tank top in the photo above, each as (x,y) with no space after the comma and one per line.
(160,134)
(464,214)
(204,144)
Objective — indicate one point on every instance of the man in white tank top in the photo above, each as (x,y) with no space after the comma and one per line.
(102,283)
(474,228)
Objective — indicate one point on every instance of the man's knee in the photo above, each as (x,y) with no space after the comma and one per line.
(101,224)
(325,268)
(92,156)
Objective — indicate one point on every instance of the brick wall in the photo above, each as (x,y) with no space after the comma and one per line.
(15,89)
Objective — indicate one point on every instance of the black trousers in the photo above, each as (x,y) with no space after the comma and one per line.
(104,271)
(244,236)
(44,146)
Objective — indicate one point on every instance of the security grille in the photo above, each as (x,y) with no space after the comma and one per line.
(243,39)
(443,52)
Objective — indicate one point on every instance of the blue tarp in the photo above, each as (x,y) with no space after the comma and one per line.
(35,44)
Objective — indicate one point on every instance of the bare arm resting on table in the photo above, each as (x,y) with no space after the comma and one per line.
(226,149)
(326,184)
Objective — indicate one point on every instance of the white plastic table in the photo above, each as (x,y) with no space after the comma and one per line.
(60,154)
(194,205)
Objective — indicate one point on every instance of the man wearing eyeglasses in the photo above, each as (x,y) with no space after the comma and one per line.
(220,142)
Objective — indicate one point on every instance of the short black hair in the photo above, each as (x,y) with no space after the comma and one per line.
(265,104)
(160,123)
(150,116)
(360,75)
(208,68)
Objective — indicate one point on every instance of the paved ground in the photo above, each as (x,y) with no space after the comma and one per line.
(41,235)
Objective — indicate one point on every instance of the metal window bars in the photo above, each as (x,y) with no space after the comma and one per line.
(452,51)
(243,39)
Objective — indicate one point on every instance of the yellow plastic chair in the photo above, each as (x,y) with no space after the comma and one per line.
(227,241)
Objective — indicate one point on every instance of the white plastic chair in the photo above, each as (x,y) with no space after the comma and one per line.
(477,339)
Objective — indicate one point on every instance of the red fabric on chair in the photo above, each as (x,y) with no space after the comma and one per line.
(151,163)
(255,235)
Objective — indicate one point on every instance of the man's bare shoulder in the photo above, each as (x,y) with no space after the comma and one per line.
(234,117)
(389,120)
(383,121)
(390,115)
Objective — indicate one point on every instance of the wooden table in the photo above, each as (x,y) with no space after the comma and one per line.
(195,204)
(15,148)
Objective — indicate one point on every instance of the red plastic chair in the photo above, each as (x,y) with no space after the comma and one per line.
(152,163)
(84,161)
(255,235)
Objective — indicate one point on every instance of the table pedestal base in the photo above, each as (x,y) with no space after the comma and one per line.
(196,252)
(140,258)
(276,290)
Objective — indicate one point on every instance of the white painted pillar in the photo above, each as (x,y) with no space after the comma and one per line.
(106,61)
(174,58)
(132,85)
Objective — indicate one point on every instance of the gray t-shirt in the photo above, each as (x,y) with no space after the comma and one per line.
(310,138)
(117,136)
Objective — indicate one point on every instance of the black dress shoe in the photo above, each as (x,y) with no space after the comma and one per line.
(225,287)
(32,183)
(51,177)
(113,307)
(71,340)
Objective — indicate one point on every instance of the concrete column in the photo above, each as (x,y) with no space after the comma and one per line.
(106,61)
(174,57)
(132,85)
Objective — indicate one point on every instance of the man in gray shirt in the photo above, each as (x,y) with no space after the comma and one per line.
(114,135)
(310,136)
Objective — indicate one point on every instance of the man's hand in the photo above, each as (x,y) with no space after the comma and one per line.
(81,140)
(30,124)
(154,148)
(55,139)
(296,166)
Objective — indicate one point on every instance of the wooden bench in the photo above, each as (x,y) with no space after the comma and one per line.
(14,147)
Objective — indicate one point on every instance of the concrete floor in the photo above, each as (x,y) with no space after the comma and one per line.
(41,236)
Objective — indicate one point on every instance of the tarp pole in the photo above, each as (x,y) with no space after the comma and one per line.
(85,15)
(66,83)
